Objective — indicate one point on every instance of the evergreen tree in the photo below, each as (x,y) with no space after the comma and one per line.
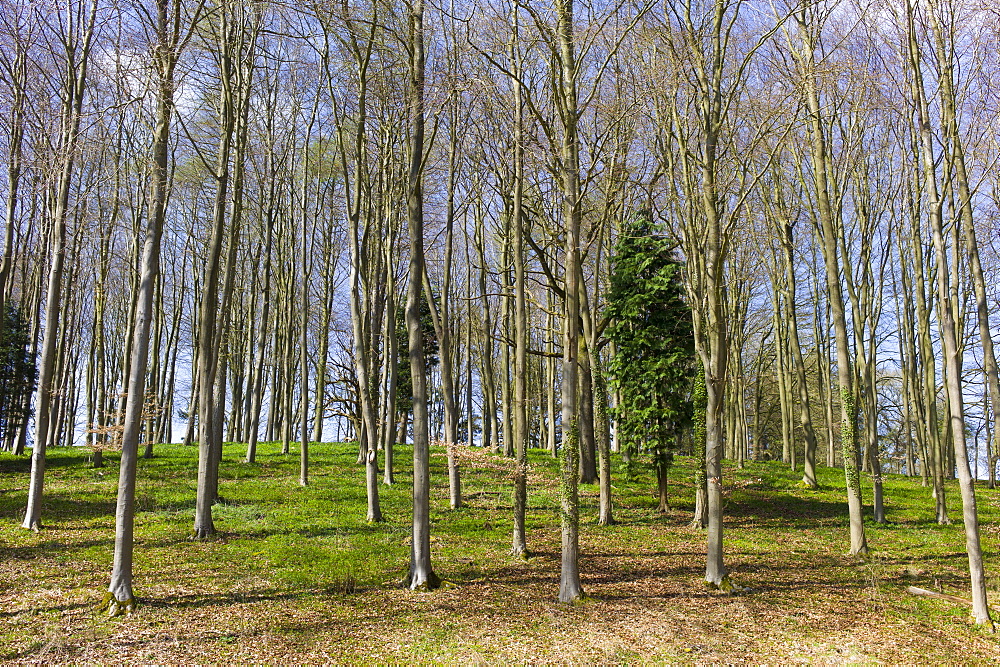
(18,374)
(404,386)
(654,363)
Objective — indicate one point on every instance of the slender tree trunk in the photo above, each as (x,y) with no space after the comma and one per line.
(517,222)
(699,520)
(487,376)
(263,333)
(120,597)
(828,234)
(421,575)
(945,47)
(550,376)
(949,335)
(588,438)
(392,364)
(506,389)
(570,588)
(233,36)
(78,54)
(784,393)
(802,387)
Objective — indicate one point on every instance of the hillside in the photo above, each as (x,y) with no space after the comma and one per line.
(300,576)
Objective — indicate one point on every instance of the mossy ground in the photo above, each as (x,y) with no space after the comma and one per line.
(298,575)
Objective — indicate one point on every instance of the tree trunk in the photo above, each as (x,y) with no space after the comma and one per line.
(949,335)
(829,233)
(235,39)
(805,416)
(120,597)
(517,223)
(699,399)
(570,588)
(421,575)
(70,119)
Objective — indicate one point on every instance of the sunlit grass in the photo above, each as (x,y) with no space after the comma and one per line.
(298,573)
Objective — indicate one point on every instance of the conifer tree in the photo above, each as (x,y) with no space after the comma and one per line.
(18,374)
(650,324)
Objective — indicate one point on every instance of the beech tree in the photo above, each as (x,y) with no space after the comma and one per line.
(947,321)
(421,575)
(809,21)
(167,28)
(565,95)
(234,30)
(704,79)
(74,33)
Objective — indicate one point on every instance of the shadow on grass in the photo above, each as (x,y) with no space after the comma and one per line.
(193,600)
(196,600)
(46,548)
(56,508)
(788,508)
(58,457)
(354,530)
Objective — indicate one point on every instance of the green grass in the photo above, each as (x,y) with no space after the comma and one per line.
(297,574)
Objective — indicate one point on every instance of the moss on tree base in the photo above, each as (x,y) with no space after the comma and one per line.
(116,607)
(432,582)
(577,601)
(725,586)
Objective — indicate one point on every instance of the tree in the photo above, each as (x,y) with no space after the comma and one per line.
(650,324)
(809,21)
(18,373)
(167,36)
(76,35)
(421,575)
(235,32)
(567,104)
(947,317)
(705,80)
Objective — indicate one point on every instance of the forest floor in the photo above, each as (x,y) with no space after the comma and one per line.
(298,575)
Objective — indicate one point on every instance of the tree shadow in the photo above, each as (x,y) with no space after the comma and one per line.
(47,548)
(786,508)
(57,457)
(57,508)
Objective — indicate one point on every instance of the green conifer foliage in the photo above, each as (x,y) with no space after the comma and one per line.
(650,324)
(18,374)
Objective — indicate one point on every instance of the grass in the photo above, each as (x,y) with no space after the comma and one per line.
(298,575)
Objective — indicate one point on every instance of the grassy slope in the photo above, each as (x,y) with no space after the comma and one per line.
(298,575)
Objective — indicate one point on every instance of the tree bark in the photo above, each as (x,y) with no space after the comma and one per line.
(120,597)
(421,576)
(570,588)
